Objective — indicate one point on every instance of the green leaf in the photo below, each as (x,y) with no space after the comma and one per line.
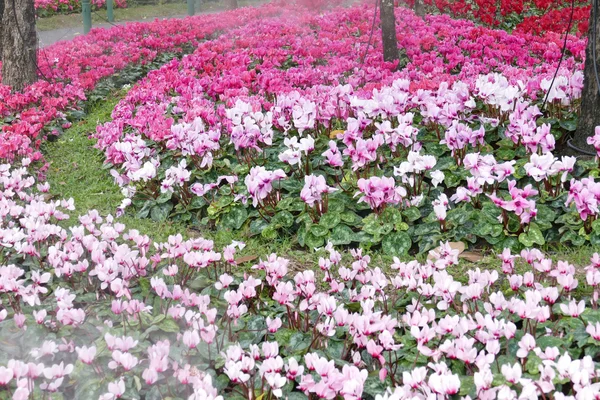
(196,203)
(311,241)
(301,235)
(391,215)
(145,210)
(318,230)
(341,234)
(283,335)
(533,362)
(467,386)
(336,206)
(595,238)
(293,204)
(525,240)
(396,244)
(373,386)
(164,197)
(296,396)
(458,216)
(375,225)
(569,124)
(426,229)
(572,237)
(160,213)
(283,219)
(505,154)
(532,236)
(257,226)
(169,325)
(299,341)
(269,232)
(362,237)
(591,316)
(235,218)
(596,225)
(549,341)
(545,213)
(351,218)
(330,220)
(412,214)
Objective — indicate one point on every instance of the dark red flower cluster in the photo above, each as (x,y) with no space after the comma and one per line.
(531,16)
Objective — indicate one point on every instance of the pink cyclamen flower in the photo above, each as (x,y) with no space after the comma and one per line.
(314,188)
(273,324)
(86,354)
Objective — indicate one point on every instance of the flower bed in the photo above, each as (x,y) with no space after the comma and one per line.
(45,8)
(297,137)
(533,16)
(102,312)
(74,68)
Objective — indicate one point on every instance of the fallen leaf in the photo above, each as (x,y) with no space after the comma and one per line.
(245,259)
(48,196)
(334,134)
(471,256)
(460,246)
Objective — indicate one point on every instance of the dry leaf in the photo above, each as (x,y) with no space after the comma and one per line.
(460,246)
(471,256)
(334,134)
(245,259)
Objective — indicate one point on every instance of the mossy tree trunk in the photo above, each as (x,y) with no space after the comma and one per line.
(388,30)
(19,44)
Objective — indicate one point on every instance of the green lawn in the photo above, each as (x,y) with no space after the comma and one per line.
(134,13)
(76,170)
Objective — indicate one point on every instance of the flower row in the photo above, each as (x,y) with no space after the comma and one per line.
(46,8)
(535,16)
(301,141)
(99,311)
(71,69)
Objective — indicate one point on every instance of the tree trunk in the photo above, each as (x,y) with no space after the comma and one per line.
(419,8)
(19,44)
(388,30)
(1,29)
(589,115)
(232,4)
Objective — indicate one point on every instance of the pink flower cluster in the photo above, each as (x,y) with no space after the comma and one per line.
(377,192)
(68,6)
(75,67)
(146,328)
(303,91)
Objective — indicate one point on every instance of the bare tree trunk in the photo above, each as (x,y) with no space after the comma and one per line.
(19,44)
(388,30)
(419,8)
(589,115)
(232,4)
(1,29)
